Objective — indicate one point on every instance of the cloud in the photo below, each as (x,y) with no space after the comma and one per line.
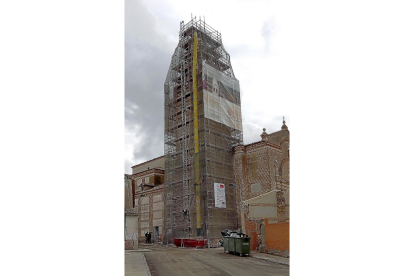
(146,66)
(268,32)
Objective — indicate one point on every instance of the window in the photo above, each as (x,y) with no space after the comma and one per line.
(139,181)
(146,179)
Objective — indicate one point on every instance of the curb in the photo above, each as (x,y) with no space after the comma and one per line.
(146,265)
(138,250)
(273,261)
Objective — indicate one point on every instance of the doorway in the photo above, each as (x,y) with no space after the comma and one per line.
(156,234)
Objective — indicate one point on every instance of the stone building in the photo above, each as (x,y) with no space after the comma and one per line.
(148,183)
(130,215)
(262,173)
(202,123)
(129,192)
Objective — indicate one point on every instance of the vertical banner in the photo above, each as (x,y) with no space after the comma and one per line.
(220,195)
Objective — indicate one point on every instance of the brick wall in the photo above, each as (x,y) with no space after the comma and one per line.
(277,238)
(129,244)
(260,168)
(253,230)
(255,167)
(151,210)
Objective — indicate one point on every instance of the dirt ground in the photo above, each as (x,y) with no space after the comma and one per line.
(171,261)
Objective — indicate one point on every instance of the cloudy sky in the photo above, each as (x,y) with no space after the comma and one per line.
(253,33)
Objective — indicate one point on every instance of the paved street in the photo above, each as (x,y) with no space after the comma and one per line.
(135,264)
(172,261)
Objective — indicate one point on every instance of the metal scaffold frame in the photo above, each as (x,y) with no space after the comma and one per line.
(198,144)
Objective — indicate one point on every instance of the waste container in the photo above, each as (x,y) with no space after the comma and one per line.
(226,244)
(231,245)
(242,246)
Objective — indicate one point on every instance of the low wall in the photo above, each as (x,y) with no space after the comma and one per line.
(253,230)
(129,244)
(277,238)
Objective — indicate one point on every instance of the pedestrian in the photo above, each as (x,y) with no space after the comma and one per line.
(149,237)
(146,237)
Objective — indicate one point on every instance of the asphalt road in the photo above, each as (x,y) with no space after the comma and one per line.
(200,262)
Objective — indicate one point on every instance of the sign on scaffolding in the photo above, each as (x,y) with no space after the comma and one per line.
(220,195)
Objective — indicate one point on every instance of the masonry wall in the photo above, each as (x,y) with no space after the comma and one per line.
(253,230)
(262,167)
(147,180)
(277,238)
(131,232)
(256,168)
(129,196)
(151,210)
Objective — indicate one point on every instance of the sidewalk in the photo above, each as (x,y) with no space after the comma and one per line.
(135,264)
(270,258)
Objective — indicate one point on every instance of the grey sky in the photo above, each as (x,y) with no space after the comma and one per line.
(151,35)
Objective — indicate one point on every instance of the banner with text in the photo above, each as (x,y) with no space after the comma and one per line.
(220,195)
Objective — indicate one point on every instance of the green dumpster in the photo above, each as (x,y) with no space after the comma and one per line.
(231,245)
(226,244)
(242,246)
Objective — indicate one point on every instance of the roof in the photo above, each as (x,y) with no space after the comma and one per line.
(279,136)
(148,161)
(260,196)
(261,143)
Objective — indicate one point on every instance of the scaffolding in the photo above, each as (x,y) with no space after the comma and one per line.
(202,125)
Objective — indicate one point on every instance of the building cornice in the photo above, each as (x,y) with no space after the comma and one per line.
(157,188)
(148,161)
(147,172)
(259,144)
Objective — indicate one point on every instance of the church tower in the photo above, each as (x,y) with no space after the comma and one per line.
(202,125)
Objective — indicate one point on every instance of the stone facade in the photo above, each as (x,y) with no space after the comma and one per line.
(149,201)
(131,228)
(146,180)
(146,185)
(129,193)
(130,215)
(262,168)
(151,209)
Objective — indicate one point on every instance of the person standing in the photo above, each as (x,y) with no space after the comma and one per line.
(149,237)
(146,237)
